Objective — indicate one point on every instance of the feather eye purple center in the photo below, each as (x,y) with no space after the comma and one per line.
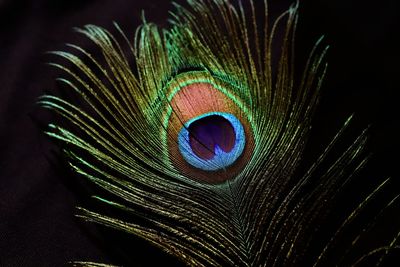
(212,141)
(209,132)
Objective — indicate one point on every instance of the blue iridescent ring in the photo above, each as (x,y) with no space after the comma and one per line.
(212,141)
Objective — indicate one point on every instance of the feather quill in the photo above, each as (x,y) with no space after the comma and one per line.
(246,208)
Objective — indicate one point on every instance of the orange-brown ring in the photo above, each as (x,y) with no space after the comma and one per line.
(192,101)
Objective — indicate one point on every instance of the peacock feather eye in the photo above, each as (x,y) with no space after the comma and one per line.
(212,141)
(209,135)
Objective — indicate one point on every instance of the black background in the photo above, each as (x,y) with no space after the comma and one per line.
(38,194)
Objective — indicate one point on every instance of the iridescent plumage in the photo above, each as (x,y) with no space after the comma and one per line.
(198,138)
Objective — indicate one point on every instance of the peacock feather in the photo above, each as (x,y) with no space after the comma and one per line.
(198,131)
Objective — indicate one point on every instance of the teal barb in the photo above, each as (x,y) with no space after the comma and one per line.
(195,137)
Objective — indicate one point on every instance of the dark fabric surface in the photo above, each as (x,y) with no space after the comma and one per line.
(38,193)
